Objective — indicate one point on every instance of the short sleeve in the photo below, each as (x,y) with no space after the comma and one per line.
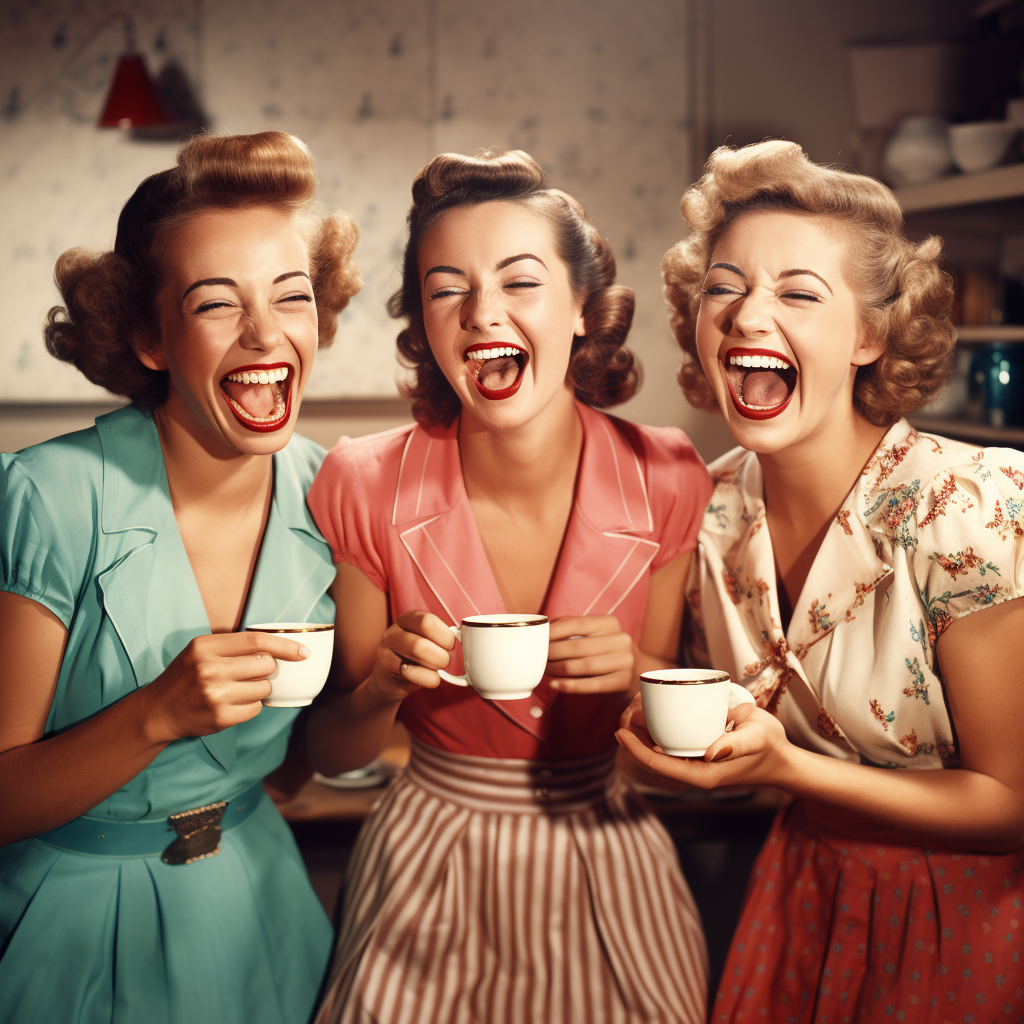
(345,500)
(679,488)
(970,536)
(36,555)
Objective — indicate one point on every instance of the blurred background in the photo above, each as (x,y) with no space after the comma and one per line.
(619,100)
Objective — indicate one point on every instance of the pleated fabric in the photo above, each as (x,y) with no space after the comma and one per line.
(840,929)
(238,938)
(486,891)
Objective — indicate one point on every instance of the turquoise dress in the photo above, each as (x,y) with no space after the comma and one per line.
(88,531)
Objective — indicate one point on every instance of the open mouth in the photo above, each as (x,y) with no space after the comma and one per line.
(497,370)
(260,396)
(761,382)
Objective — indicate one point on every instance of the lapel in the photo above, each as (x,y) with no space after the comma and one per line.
(150,593)
(294,569)
(608,543)
(855,555)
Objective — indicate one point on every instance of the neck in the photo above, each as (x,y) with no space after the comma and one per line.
(201,472)
(521,465)
(805,483)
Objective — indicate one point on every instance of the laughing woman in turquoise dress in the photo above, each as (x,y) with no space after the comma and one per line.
(132,556)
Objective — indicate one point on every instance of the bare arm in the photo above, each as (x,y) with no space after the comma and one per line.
(591,654)
(352,724)
(217,681)
(977,806)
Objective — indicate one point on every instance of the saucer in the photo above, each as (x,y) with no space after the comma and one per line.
(376,773)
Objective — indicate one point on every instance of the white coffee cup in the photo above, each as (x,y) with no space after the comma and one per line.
(294,684)
(686,709)
(504,655)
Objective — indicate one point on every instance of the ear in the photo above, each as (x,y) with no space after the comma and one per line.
(149,353)
(868,348)
(579,327)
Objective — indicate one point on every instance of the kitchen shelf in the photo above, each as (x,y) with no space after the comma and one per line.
(964,189)
(979,334)
(970,430)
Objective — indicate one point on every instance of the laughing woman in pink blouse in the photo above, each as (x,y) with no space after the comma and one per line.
(843,563)
(508,874)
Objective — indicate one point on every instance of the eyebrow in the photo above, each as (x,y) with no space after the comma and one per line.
(785,273)
(234,284)
(508,261)
(794,273)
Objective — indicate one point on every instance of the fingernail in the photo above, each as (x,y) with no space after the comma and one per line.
(555,684)
(722,754)
(304,651)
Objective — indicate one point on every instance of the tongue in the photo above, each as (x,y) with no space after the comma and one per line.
(764,388)
(259,400)
(498,374)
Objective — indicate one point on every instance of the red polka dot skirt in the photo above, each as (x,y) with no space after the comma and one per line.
(838,929)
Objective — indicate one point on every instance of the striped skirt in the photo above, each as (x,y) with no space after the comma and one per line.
(490,891)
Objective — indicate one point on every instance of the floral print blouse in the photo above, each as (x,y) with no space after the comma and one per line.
(932,530)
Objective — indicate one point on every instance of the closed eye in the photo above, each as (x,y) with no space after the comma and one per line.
(205,307)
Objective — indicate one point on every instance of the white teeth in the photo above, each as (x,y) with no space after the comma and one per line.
(758,362)
(493,353)
(259,376)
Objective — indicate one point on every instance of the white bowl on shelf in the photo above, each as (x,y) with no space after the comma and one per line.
(981,144)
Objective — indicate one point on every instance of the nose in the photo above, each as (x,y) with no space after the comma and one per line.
(262,332)
(481,310)
(752,314)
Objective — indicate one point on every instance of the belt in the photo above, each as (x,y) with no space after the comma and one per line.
(198,832)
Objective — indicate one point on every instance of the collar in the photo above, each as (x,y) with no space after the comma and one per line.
(156,618)
(611,514)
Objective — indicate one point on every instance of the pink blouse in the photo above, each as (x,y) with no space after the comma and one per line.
(394,505)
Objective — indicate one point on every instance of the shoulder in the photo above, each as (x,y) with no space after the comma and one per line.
(67,470)
(660,450)
(372,458)
(356,469)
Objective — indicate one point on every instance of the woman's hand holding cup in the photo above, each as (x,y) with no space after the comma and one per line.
(216,681)
(412,651)
(590,654)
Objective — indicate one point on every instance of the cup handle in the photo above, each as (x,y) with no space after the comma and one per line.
(739,695)
(447,676)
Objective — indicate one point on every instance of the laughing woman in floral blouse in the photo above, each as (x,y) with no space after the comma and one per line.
(843,555)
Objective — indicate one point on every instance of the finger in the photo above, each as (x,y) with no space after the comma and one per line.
(252,691)
(583,625)
(747,738)
(418,675)
(414,648)
(612,682)
(742,713)
(661,764)
(598,665)
(273,644)
(588,646)
(238,668)
(427,625)
(634,714)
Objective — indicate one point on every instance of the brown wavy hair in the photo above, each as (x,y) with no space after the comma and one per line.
(904,296)
(601,370)
(110,298)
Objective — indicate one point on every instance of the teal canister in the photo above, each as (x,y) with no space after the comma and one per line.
(998,371)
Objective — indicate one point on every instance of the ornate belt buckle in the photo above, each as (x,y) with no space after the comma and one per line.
(198,834)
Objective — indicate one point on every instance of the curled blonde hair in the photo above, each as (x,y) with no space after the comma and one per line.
(110,298)
(904,296)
